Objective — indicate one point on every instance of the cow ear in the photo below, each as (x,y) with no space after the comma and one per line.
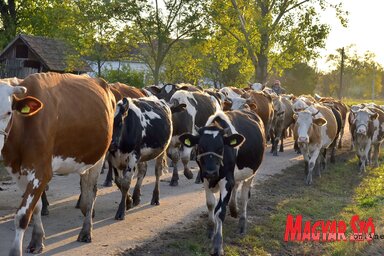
(178,108)
(234,140)
(320,121)
(27,106)
(374,116)
(189,140)
(252,106)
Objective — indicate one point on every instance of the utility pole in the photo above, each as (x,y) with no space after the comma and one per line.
(373,83)
(341,74)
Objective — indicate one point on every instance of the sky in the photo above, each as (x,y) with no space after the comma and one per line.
(364,30)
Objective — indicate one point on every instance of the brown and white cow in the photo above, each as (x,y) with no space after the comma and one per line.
(315,132)
(63,125)
(367,131)
(342,108)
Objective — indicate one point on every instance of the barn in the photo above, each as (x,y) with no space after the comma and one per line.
(28,54)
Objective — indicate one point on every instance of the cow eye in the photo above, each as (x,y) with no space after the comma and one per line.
(9,113)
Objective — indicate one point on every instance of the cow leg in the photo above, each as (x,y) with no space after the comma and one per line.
(282,145)
(233,201)
(341,135)
(36,244)
(272,138)
(28,206)
(376,153)
(88,184)
(211,202)
(142,171)
(311,165)
(220,212)
(120,214)
(185,157)
(175,157)
(245,195)
(45,203)
(109,178)
(275,144)
(198,177)
(158,171)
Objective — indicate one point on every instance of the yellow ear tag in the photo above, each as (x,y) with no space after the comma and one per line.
(25,110)
(233,142)
(187,142)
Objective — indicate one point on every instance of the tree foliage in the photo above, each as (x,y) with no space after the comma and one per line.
(158,28)
(361,71)
(275,34)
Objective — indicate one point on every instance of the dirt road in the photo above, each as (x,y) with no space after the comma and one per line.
(178,206)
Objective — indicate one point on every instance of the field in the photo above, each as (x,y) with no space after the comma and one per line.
(338,195)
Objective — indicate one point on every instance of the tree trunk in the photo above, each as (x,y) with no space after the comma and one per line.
(262,57)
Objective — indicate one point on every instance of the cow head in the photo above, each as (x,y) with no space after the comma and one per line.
(121,112)
(210,143)
(304,125)
(9,104)
(362,120)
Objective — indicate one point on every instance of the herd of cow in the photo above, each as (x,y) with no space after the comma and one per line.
(65,123)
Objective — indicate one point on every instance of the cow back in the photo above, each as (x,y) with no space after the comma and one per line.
(76,120)
(251,152)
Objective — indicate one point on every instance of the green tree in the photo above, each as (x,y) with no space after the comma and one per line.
(158,28)
(300,79)
(275,34)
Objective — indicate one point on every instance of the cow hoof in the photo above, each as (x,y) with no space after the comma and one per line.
(120,215)
(281,150)
(174,183)
(155,202)
(107,183)
(44,212)
(188,174)
(136,202)
(35,248)
(84,237)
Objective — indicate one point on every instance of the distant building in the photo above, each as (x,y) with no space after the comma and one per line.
(28,54)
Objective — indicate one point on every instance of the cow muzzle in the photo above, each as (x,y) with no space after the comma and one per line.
(210,174)
(361,129)
(303,140)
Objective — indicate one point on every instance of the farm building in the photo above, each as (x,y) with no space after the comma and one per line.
(28,54)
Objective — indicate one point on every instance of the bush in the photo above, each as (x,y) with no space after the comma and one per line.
(124,75)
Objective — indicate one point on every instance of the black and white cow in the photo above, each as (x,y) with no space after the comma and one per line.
(142,131)
(230,149)
(198,107)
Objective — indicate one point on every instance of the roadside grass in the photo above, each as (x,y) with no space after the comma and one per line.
(338,194)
